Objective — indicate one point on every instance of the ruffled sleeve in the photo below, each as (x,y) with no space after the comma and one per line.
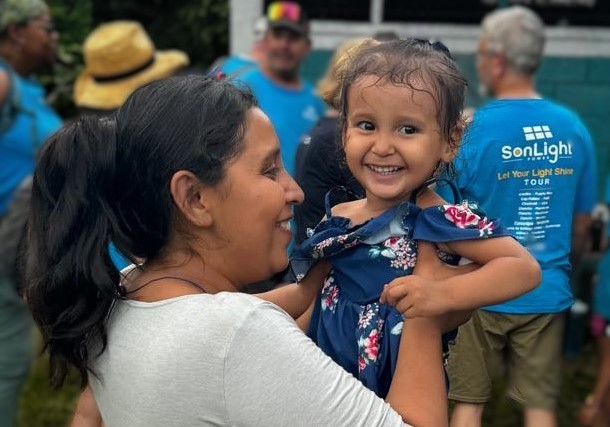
(449,223)
(321,244)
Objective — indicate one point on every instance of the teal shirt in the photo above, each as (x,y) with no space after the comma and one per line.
(293,112)
(19,145)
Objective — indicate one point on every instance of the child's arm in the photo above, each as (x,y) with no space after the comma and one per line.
(507,271)
(296,298)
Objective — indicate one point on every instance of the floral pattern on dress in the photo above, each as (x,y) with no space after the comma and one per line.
(318,250)
(400,250)
(330,294)
(465,215)
(370,327)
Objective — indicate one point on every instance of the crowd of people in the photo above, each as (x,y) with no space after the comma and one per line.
(243,248)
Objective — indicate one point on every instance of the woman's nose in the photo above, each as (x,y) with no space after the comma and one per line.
(294,193)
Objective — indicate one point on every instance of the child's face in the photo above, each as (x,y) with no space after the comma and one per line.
(392,141)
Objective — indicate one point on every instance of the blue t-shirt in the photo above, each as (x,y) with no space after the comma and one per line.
(237,64)
(530,162)
(293,112)
(34,123)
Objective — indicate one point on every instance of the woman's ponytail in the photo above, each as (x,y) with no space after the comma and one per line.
(71,281)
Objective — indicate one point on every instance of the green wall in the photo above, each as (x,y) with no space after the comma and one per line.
(583,84)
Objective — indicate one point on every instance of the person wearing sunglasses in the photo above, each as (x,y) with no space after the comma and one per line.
(290,102)
(28,43)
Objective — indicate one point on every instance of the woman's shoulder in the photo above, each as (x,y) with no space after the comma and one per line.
(221,308)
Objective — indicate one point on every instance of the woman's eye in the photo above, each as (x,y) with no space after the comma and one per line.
(364,125)
(407,130)
(272,171)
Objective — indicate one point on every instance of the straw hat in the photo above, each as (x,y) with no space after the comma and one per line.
(119,58)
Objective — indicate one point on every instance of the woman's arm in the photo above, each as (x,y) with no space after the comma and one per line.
(418,385)
(275,375)
(296,298)
(304,320)
(86,413)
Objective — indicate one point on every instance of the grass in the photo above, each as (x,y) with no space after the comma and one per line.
(43,407)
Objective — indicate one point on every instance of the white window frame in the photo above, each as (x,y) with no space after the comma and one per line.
(569,41)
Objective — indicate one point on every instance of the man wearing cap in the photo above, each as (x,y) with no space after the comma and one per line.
(290,102)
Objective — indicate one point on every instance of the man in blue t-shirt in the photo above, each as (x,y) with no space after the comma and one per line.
(530,162)
(238,64)
(290,102)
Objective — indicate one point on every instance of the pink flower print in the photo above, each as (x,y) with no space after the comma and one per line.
(485,228)
(318,250)
(361,364)
(371,346)
(393,243)
(461,215)
(342,238)
(330,294)
(366,315)
(403,253)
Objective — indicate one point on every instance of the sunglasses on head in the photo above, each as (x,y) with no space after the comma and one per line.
(281,10)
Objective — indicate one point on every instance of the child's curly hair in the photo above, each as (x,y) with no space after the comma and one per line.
(403,63)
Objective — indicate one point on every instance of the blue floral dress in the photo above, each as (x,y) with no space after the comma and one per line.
(348,322)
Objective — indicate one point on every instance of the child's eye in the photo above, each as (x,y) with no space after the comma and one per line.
(407,130)
(367,126)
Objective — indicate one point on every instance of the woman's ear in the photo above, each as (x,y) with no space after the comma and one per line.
(16,34)
(191,198)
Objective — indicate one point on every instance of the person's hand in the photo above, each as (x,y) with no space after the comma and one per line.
(424,293)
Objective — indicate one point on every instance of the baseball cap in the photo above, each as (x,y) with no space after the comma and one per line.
(287,14)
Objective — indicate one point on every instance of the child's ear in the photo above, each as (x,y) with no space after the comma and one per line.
(191,198)
(453,145)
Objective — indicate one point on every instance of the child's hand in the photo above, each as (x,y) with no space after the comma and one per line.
(424,292)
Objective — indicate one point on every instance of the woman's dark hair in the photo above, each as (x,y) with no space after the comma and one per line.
(405,62)
(107,180)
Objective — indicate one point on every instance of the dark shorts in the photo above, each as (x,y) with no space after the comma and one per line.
(524,347)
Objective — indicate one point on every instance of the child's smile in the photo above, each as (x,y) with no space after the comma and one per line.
(392,143)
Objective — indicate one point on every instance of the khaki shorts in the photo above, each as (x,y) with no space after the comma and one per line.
(525,347)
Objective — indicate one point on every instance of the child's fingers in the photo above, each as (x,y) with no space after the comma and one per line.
(395,291)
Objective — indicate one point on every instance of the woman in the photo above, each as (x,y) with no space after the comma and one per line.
(188,177)
(28,42)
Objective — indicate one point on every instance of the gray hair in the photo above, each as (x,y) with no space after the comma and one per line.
(518,33)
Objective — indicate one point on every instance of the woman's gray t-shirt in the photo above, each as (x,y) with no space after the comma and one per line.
(228,359)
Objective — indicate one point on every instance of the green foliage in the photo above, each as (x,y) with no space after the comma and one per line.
(73,20)
(198,27)
(41,406)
